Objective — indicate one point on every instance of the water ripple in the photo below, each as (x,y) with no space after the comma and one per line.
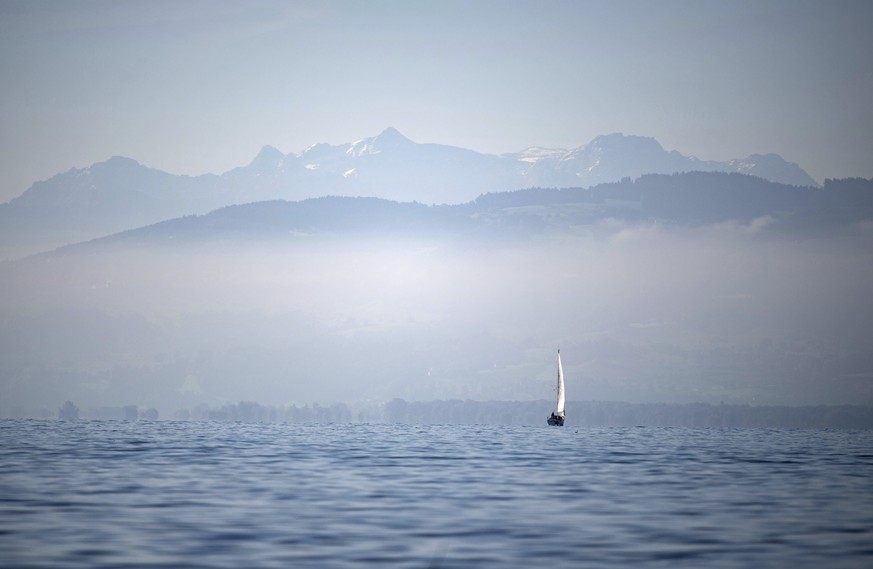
(176,494)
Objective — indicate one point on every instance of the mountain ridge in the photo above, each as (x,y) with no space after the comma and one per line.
(689,200)
(120,193)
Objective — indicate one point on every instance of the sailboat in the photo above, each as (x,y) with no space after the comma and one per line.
(557,417)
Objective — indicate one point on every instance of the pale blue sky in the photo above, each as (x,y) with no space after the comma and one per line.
(192,87)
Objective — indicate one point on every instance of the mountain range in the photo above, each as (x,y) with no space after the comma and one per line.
(121,193)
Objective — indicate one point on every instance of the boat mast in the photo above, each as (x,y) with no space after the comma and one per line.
(559,408)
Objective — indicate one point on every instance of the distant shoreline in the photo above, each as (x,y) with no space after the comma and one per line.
(580,414)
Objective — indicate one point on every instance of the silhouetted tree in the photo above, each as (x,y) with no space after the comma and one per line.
(68,411)
(150,414)
(131,413)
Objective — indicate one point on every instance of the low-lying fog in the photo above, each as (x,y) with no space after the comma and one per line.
(642,313)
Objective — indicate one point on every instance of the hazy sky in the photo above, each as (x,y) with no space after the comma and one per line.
(192,87)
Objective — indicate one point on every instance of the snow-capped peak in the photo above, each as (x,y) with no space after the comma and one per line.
(534,154)
(388,139)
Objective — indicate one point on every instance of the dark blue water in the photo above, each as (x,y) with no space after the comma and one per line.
(178,494)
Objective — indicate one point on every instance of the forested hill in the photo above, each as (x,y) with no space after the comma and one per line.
(688,199)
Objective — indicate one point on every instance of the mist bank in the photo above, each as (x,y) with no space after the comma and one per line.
(641,313)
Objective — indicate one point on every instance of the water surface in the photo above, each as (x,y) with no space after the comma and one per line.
(187,494)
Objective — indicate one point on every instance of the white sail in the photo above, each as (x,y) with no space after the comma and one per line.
(559,411)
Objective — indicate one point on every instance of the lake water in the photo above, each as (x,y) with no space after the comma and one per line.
(186,494)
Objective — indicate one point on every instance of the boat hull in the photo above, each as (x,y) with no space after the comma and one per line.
(555,421)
